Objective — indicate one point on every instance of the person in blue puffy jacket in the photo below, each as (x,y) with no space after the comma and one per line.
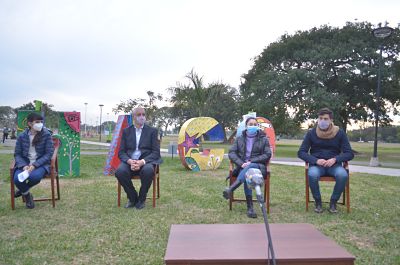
(33,151)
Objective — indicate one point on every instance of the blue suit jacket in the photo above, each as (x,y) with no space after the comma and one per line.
(149,145)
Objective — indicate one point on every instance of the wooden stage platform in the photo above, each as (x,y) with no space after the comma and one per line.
(214,244)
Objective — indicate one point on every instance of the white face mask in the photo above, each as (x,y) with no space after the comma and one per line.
(140,120)
(37,126)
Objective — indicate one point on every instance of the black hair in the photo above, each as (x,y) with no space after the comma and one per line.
(324,111)
(35,117)
(249,118)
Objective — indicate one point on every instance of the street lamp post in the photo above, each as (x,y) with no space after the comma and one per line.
(101,110)
(85,117)
(381,33)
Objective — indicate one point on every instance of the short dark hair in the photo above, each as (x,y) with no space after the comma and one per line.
(324,111)
(33,116)
(249,118)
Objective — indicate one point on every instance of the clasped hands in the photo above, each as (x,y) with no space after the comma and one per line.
(135,164)
(245,164)
(326,163)
(30,168)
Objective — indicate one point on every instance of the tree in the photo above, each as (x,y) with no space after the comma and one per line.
(216,100)
(164,118)
(149,104)
(7,117)
(324,67)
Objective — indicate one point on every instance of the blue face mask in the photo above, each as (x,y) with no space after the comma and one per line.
(323,124)
(252,130)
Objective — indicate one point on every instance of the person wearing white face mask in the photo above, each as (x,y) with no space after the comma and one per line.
(139,151)
(250,150)
(33,151)
(325,148)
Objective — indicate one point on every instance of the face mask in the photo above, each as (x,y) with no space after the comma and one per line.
(252,130)
(38,126)
(140,120)
(323,124)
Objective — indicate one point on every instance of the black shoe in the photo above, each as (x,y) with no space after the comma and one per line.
(140,205)
(332,207)
(228,191)
(29,203)
(17,194)
(129,204)
(250,210)
(318,206)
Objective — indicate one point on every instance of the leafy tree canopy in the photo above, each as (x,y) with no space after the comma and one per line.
(194,99)
(149,104)
(324,67)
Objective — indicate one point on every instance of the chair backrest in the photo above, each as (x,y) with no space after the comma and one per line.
(54,160)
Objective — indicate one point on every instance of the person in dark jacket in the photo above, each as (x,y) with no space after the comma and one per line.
(139,151)
(5,134)
(250,150)
(325,148)
(33,151)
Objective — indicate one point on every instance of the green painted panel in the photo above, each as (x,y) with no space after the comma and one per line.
(69,151)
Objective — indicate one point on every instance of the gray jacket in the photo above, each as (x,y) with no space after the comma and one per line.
(260,154)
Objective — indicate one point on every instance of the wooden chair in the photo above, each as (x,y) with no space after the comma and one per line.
(346,192)
(155,184)
(232,179)
(53,176)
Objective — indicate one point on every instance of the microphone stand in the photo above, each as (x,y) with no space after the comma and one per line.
(270,245)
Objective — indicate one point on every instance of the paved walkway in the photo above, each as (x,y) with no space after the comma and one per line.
(355,166)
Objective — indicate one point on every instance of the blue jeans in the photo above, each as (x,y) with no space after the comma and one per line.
(34,178)
(336,171)
(242,178)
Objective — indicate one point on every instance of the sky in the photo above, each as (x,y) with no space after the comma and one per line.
(68,53)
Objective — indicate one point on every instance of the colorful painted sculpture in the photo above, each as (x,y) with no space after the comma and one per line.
(192,132)
(69,151)
(113,161)
(264,125)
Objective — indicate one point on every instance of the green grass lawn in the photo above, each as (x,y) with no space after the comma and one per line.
(87,227)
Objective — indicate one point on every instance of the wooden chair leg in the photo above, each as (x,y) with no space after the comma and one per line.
(158,187)
(307,193)
(348,196)
(154,190)
(53,198)
(230,197)
(12,191)
(119,194)
(58,187)
(266,193)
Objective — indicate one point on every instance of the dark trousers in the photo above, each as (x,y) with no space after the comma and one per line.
(5,136)
(124,174)
(34,178)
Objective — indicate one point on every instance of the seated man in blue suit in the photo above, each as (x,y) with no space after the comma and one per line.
(139,151)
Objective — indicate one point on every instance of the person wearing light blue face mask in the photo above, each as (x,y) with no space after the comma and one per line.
(250,150)
(325,148)
(33,151)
